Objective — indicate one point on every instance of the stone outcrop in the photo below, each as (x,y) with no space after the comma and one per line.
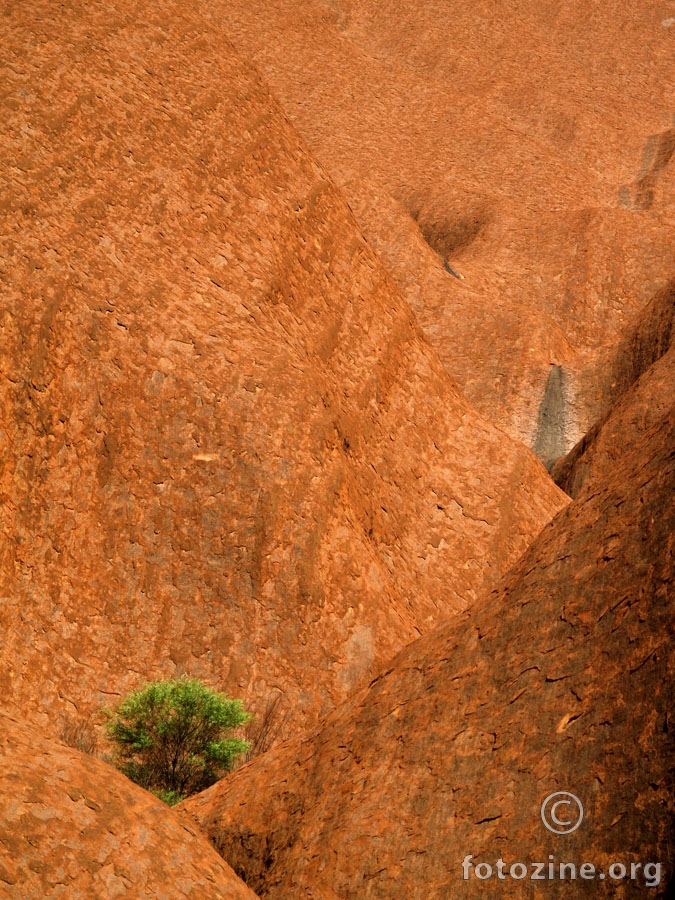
(503,145)
(71,826)
(560,680)
(228,449)
(647,340)
(598,451)
(286,291)
(641,380)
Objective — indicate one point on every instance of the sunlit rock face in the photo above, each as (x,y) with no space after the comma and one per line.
(228,448)
(527,149)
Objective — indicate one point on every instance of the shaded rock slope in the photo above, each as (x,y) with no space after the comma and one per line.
(643,379)
(528,146)
(560,680)
(227,448)
(73,827)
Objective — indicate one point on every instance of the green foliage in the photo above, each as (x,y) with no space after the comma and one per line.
(171,737)
(171,798)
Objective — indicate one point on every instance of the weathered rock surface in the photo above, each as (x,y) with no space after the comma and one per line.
(530,147)
(560,680)
(598,451)
(642,377)
(73,827)
(646,340)
(227,447)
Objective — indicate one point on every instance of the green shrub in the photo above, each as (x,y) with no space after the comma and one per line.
(171,737)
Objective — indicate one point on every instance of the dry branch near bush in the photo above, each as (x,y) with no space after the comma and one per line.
(80,734)
(268,728)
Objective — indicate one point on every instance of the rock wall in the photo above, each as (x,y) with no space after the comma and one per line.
(72,826)
(560,680)
(227,447)
(508,142)
(640,379)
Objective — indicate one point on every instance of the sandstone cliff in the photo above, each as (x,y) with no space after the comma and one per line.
(227,447)
(641,379)
(560,680)
(527,147)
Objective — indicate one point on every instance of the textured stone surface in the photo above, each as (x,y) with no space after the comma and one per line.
(598,451)
(72,827)
(562,679)
(642,379)
(530,145)
(649,337)
(227,447)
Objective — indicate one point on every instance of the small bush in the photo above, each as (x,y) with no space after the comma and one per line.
(171,737)
(171,798)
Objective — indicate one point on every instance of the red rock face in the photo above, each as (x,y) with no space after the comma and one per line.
(71,826)
(228,448)
(560,680)
(529,147)
(255,348)
(642,377)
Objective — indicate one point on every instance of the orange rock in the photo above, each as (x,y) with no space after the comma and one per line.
(560,680)
(72,826)
(229,449)
(503,143)
(642,381)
